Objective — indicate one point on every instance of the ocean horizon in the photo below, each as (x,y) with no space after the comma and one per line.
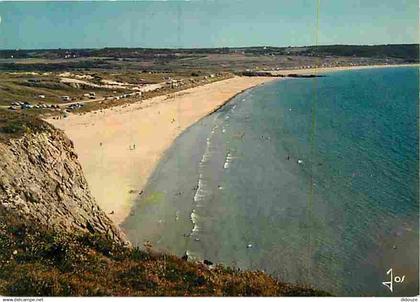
(314,181)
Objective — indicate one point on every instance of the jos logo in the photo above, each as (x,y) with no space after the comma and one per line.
(396,279)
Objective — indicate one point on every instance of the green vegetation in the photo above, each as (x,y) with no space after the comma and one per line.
(188,61)
(55,66)
(36,261)
(408,52)
(27,87)
(49,88)
(36,76)
(13,125)
(92,106)
(164,55)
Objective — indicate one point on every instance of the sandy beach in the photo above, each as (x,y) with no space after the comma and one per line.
(308,71)
(120,147)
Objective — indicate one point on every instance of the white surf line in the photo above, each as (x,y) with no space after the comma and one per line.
(202,190)
(228,160)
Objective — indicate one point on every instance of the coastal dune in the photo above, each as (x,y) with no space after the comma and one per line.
(120,147)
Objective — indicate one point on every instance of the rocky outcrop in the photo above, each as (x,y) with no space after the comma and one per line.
(42,180)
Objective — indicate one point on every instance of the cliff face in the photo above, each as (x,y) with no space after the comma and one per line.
(42,180)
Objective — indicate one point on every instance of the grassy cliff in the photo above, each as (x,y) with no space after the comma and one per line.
(36,261)
(14,125)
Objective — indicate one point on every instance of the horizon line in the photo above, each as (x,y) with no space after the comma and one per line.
(201,48)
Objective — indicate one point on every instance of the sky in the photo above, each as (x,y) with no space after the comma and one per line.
(196,23)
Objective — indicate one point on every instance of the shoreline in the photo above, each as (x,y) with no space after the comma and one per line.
(321,70)
(120,147)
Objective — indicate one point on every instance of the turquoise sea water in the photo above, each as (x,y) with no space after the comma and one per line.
(314,181)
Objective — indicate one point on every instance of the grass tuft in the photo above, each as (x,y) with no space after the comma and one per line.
(37,261)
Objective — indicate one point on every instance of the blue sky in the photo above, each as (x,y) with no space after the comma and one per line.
(205,23)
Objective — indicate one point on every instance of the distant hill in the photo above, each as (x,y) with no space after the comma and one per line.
(210,60)
(408,52)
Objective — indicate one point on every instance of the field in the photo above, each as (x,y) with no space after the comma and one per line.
(36,79)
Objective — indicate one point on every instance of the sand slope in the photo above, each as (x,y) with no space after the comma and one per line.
(116,171)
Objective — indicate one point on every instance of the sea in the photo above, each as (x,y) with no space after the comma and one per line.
(314,181)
